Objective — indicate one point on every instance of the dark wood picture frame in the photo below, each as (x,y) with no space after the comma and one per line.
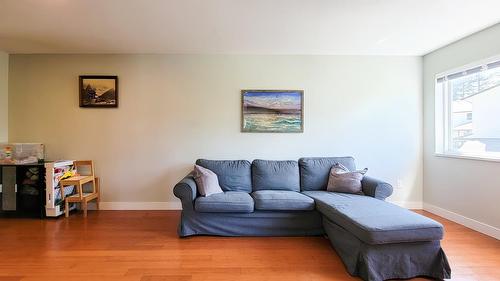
(84,95)
(246,130)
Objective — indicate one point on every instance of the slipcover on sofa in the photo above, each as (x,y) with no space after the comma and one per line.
(375,239)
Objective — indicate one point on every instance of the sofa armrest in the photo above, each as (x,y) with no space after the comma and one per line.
(186,191)
(376,188)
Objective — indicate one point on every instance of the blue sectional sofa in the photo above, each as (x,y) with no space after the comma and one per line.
(375,239)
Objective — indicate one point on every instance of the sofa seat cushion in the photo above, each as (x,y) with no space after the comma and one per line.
(375,221)
(227,202)
(282,200)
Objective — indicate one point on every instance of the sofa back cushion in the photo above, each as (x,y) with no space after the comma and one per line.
(275,175)
(233,175)
(314,171)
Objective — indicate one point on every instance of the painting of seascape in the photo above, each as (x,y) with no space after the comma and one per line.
(272,111)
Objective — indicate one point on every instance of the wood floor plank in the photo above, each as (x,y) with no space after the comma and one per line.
(143,246)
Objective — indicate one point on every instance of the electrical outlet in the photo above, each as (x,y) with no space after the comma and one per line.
(399,184)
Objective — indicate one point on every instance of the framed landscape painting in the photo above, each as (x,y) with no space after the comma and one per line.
(272,111)
(98,91)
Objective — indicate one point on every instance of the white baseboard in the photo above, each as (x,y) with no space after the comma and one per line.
(465,221)
(140,206)
(415,205)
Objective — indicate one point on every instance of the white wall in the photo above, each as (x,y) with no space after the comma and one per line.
(4,89)
(177,108)
(468,188)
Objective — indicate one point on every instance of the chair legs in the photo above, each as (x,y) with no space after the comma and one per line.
(83,200)
(98,191)
(66,208)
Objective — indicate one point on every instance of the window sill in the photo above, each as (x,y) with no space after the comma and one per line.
(469,157)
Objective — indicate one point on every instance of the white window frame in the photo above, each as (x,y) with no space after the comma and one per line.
(442,117)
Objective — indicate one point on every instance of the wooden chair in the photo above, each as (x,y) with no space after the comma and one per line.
(78,181)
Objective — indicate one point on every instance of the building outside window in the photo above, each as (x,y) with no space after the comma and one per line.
(468,111)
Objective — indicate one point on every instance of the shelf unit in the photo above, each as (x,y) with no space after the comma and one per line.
(22,190)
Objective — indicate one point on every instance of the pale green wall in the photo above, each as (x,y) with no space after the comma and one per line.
(176,108)
(4,87)
(468,188)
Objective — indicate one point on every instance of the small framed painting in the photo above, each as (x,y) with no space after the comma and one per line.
(98,91)
(272,111)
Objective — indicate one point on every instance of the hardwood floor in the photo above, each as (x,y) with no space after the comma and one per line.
(143,245)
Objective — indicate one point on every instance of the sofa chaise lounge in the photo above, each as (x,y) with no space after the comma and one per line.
(375,239)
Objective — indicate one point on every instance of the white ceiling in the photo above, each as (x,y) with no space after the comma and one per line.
(356,27)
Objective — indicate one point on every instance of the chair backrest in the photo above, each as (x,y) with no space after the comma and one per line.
(85,163)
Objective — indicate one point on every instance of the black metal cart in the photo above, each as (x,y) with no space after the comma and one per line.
(22,192)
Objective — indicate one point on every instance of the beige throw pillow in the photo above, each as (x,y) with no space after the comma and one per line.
(343,180)
(206,181)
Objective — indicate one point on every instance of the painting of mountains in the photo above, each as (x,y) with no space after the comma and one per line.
(98,91)
(272,111)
